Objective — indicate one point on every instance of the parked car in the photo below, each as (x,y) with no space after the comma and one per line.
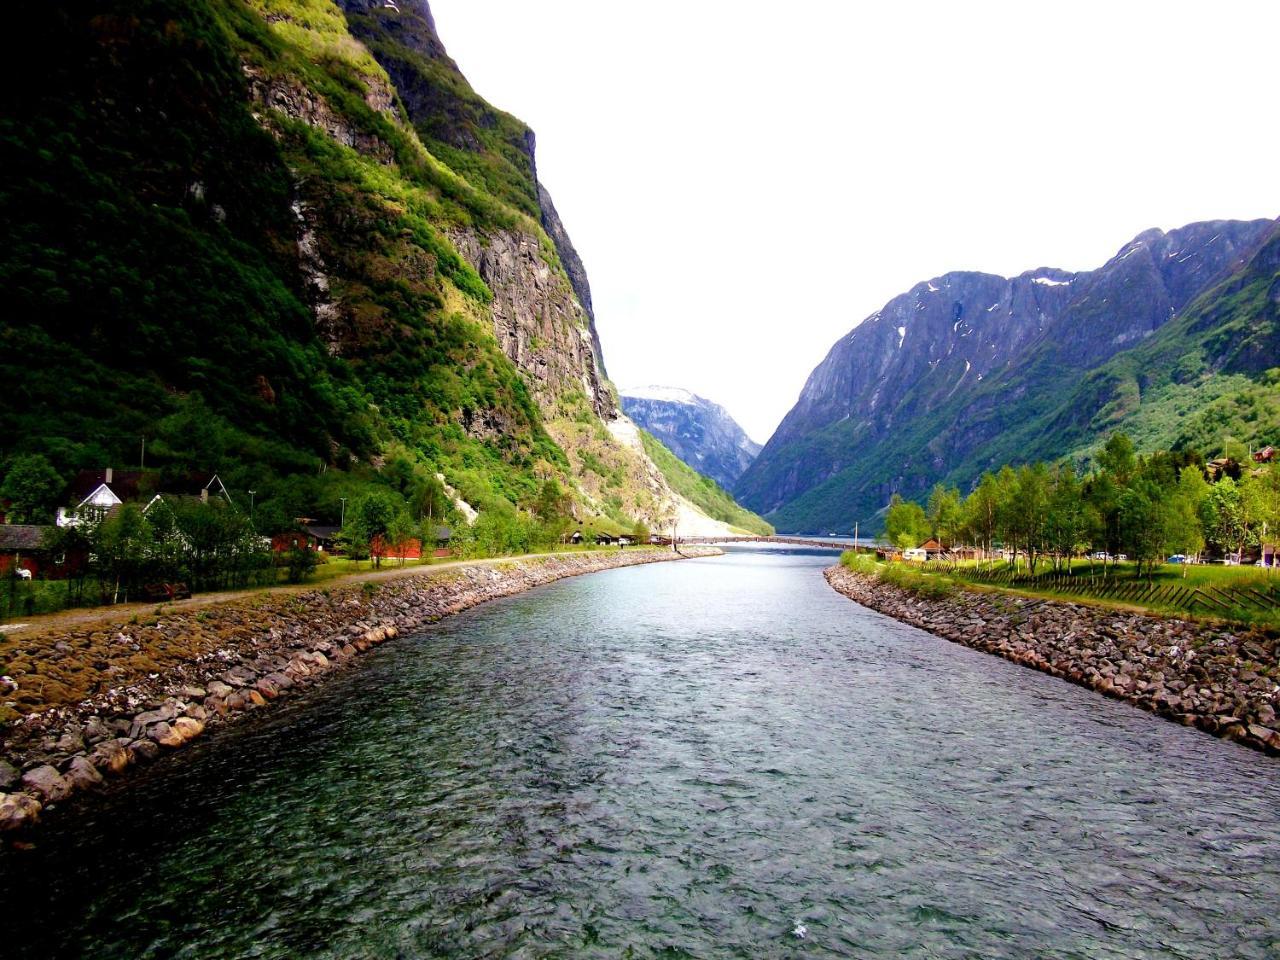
(1177,558)
(1122,556)
(1100,555)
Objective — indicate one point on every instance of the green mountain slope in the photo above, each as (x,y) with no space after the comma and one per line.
(1194,380)
(702,492)
(284,240)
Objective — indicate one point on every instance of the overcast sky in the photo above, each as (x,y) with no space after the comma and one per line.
(746,181)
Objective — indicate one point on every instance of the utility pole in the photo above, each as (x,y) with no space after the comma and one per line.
(251,493)
(855,536)
(142,460)
(343,521)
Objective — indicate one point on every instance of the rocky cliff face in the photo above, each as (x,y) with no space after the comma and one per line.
(938,375)
(542,311)
(699,432)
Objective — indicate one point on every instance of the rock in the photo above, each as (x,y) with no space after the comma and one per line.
(9,775)
(196,712)
(218,689)
(165,735)
(71,742)
(95,731)
(239,677)
(192,693)
(46,783)
(81,774)
(143,751)
(267,688)
(188,728)
(110,756)
(18,810)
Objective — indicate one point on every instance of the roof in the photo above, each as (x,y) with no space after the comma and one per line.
(443,533)
(125,484)
(322,533)
(21,536)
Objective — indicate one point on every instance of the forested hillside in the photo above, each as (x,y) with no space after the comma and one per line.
(285,241)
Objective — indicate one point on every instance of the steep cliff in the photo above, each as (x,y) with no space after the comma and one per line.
(699,432)
(966,371)
(286,240)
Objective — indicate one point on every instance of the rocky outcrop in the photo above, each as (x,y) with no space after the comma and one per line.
(231,659)
(537,319)
(699,432)
(295,101)
(1221,681)
(933,381)
(570,260)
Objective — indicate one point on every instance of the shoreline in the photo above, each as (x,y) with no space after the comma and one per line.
(1218,680)
(149,688)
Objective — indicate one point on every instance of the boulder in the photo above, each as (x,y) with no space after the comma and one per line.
(46,783)
(188,728)
(111,756)
(18,810)
(165,735)
(82,774)
(143,751)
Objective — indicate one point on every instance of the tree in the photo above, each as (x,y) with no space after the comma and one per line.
(32,487)
(640,532)
(1024,507)
(1067,519)
(1223,517)
(400,532)
(946,519)
(906,524)
(980,512)
(122,546)
(1117,459)
(369,523)
(1144,523)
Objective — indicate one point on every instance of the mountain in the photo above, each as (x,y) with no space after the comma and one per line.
(699,432)
(968,371)
(286,240)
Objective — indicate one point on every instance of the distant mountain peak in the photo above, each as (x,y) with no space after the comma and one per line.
(697,430)
(665,394)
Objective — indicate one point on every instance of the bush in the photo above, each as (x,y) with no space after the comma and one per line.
(300,563)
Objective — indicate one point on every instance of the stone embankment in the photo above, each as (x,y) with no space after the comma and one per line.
(94,703)
(1222,681)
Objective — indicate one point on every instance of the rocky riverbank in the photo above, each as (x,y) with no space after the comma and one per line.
(90,704)
(1223,681)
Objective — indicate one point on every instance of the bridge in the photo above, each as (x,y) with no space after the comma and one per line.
(788,541)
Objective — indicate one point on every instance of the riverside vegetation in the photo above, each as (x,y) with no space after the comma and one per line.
(1145,507)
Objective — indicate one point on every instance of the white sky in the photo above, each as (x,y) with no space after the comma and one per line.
(746,181)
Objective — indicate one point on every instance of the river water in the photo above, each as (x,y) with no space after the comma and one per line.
(716,758)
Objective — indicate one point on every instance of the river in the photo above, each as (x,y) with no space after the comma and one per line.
(714,758)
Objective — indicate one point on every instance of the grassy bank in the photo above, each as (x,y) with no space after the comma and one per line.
(1243,595)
